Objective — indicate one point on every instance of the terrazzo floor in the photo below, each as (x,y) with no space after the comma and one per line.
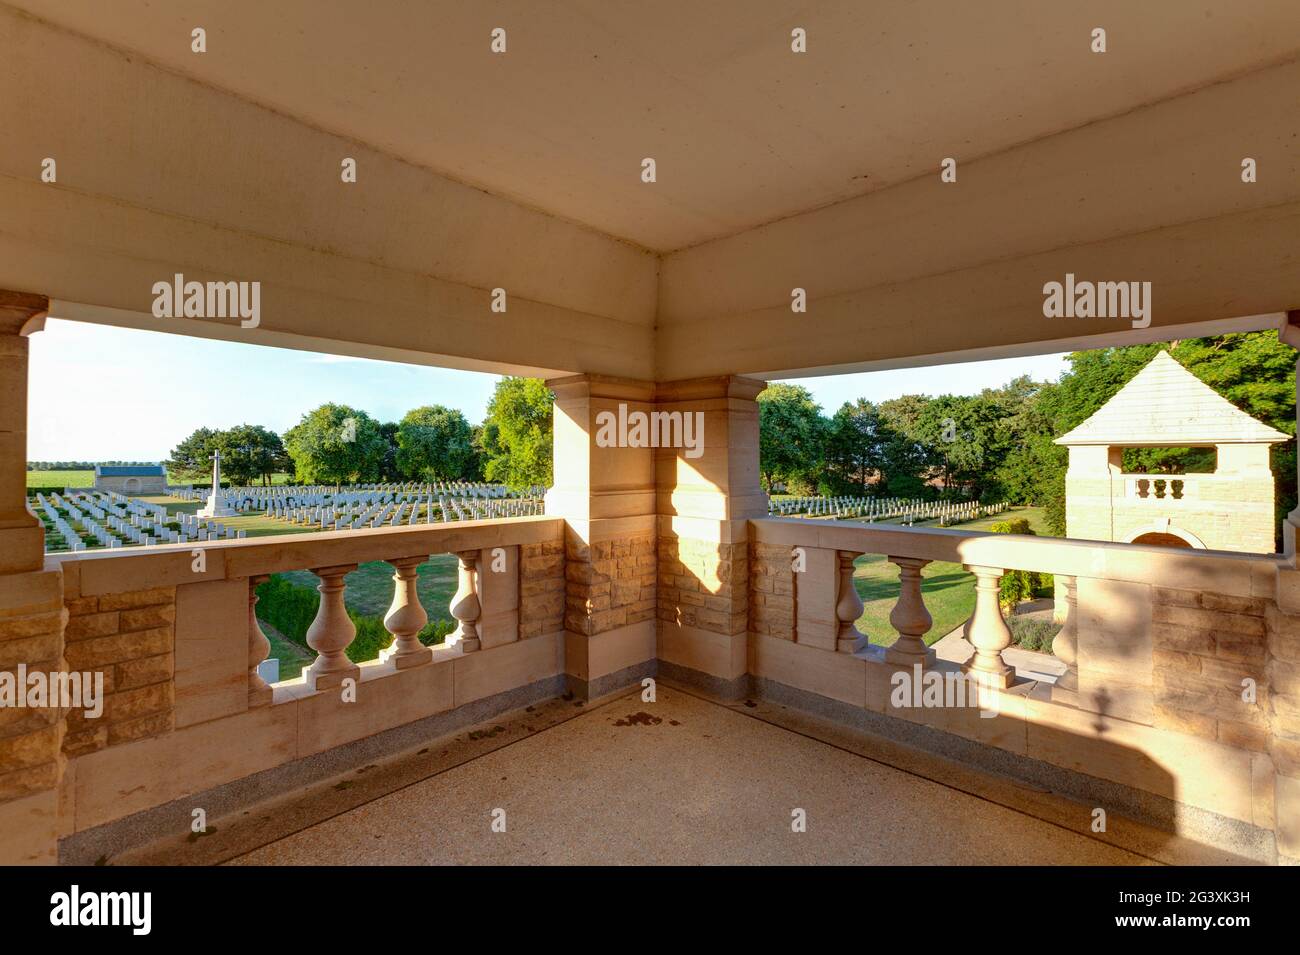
(682,780)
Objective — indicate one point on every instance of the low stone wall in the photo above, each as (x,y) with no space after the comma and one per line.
(703,584)
(771,598)
(178,717)
(1209,662)
(541,588)
(611,583)
(130,639)
(1189,694)
(31,634)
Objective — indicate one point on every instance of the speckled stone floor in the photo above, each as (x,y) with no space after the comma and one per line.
(682,780)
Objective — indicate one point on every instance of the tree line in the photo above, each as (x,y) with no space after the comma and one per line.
(998,445)
(338,444)
(80,465)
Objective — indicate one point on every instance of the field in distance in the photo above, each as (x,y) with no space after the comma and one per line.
(46,481)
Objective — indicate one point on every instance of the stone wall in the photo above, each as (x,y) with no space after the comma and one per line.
(771,609)
(541,588)
(1229,511)
(1284,689)
(130,639)
(1204,645)
(31,633)
(703,584)
(610,583)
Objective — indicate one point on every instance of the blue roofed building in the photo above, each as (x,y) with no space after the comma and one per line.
(131,478)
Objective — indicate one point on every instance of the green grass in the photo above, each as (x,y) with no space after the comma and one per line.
(292,656)
(256,525)
(58,480)
(46,481)
(948,590)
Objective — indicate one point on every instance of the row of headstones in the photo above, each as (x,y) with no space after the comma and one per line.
(471,510)
(959,513)
(261,497)
(114,520)
(410,513)
(877,507)
(873,509)
(335,516)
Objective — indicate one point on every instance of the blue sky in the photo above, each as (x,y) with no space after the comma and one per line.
(103,393)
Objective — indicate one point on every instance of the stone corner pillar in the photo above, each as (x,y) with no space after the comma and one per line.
(604,488)
(22,539)
(707,491)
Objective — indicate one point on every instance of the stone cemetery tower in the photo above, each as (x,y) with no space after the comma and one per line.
(1165,405)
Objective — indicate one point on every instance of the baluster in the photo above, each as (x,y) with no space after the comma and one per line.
(259,648)
(849,606)
(909,616)
(331,632)
(464,605)
(987,631)
(1065,645)
(406,617)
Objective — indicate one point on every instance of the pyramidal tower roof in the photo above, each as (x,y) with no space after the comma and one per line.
(1165,405)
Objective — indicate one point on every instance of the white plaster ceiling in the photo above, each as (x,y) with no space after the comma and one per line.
(743,131)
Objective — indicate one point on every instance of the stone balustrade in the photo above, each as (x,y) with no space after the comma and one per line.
(1156,644)
(1179,679)
(174,630)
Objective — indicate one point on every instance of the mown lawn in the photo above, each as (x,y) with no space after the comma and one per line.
(58,480)
(948,590)
(293,657)
(46,481)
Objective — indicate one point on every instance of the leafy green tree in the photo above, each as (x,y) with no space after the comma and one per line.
(192,458)
(435,443)
(855,443)
(388,467)
(909,462)
(336,444)
(792,436)
(250,452)
(516,436)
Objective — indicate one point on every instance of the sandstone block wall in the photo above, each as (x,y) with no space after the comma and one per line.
(31,633)
(541,588)
(1204,645)
(1284,689)
(772,600)
(704,584)
(609,584)
(130,638)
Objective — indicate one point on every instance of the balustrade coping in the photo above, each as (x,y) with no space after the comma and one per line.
(1223,572)
(169,565)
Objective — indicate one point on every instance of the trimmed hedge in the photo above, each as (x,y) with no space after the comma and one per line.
(291,608)
(1018,585)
